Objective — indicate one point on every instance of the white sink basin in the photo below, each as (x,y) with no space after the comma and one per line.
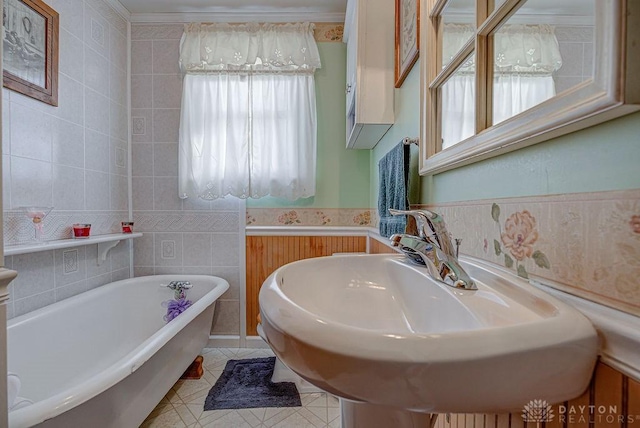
(375,329)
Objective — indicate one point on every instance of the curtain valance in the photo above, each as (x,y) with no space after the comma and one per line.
(519,48)
(249,47)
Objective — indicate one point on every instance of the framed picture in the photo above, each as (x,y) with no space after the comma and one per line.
(30,49)
(407,37)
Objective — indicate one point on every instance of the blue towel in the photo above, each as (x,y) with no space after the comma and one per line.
(394,180)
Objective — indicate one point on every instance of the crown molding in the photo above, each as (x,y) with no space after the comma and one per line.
(233,16)
(120,9)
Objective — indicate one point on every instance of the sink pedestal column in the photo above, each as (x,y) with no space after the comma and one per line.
(364,415)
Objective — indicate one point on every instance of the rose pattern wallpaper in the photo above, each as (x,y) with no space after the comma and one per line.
(586,244)
(309,217)
(518,236)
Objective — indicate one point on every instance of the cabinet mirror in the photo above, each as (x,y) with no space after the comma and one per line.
(502,75)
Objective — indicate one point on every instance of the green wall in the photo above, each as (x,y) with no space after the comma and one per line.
(407,124)
(599,158)
(342,175)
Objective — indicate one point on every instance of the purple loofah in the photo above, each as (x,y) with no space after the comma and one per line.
(175,308)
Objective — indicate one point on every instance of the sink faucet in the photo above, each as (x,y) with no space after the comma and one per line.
(432,248)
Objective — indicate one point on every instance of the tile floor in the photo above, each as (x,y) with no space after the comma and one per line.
(182,406)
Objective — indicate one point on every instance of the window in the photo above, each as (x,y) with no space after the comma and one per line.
(502,75)
(248,120)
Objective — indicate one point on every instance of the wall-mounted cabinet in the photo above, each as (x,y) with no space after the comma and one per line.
(502,75)
(369,34)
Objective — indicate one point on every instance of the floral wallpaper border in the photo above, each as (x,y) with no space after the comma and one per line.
(309,217)
(586,244)
(328,32)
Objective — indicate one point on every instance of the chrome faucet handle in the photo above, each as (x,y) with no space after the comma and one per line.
(441,267)
(431,227)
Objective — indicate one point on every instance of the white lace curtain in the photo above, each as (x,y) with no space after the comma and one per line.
(525,58)
(248,122)
(274,47)
(519,48)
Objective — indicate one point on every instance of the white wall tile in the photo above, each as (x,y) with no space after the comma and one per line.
(120,256)
(68,143)
(6,126)
(32,127)
(141,91)
(97,191)
(6,181)
(97,109)
(36,274)
(119,127)
(232,276)
(118,50)
(71,60)
(62,156)
(97,281)
(96,31)
(71,103)
(119,198)
(167,91)
(68,188)
(119,275)
(93,268)
(33,302)
(196,249)
(141,125)
(168,249)
(71,13)
(226,318)
(141,57)
(226,249)
(119,157)
(165,194)
(70,290)
(142,160)
(97,151)
(156,31)
(143,250)
(166,54)
(118,85)
(166,123)
(142,193)
(31,183)
(70,265)
(165,159)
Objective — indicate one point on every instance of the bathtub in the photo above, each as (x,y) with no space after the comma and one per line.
(105,358)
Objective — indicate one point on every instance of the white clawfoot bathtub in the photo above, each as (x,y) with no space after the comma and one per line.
(105,358)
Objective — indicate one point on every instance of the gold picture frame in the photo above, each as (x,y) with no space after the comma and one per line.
(30,54)
(407,38)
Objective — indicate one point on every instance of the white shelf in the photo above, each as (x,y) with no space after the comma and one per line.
(104,242)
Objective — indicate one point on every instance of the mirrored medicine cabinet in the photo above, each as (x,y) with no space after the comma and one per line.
(500,75)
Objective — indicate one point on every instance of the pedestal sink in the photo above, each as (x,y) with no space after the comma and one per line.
(397,346)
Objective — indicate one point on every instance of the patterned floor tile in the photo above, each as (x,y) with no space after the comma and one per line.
(230,419)
(170,419)
(183,406)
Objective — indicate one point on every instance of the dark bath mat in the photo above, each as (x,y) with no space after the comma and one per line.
(247,384)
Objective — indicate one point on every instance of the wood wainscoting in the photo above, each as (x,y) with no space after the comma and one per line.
(378,247)
(612,400)
(267,253)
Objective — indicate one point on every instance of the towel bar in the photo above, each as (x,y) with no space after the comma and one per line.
(408,141)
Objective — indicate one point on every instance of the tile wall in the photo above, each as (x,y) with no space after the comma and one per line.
(180,236)
(72,157)
(576,49)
